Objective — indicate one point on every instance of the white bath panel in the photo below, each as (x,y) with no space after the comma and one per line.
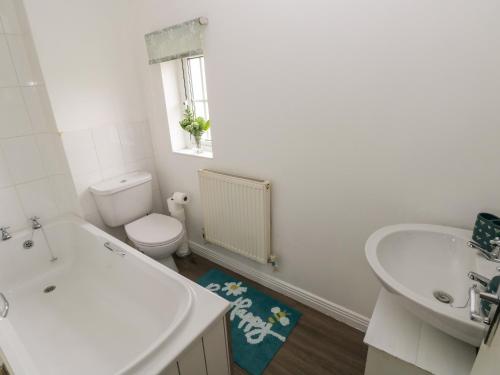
(216,349)
(192,362)
(171,370)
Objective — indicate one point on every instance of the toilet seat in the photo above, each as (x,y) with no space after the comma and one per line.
(154,230)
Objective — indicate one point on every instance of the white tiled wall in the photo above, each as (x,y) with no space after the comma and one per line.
(95,113)
(34,174)
(98,153)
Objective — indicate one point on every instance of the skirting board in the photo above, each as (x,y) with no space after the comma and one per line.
(329,308)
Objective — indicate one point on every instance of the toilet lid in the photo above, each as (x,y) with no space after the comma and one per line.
(154,229)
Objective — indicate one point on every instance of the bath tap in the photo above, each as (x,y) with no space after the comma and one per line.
(495,243)
(484,281)
(34,222)
(5,235)
(111,248)
(492,255)
(5,311)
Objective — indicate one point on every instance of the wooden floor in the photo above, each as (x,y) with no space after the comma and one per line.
(318,345)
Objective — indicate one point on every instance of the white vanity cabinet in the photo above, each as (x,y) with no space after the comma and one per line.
(400,343)
(208,355)
(4,367)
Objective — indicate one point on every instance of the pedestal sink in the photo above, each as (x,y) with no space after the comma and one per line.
(426,267)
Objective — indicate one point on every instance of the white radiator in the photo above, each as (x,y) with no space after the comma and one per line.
(237,213)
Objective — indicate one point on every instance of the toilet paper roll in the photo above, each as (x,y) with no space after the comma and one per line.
(176,210)
(180,198)
(172,205)
(179,215)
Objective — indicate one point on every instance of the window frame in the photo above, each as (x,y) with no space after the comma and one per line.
(206,140)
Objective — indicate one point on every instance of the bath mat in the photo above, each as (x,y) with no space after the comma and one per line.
(259,323)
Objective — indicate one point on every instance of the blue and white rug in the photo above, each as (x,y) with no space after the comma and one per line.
(259,323)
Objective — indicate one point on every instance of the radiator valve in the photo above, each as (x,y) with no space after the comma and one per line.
(273,260)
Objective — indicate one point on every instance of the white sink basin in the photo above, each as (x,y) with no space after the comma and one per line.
(413,261)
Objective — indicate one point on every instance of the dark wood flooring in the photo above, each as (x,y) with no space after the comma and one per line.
(318,345)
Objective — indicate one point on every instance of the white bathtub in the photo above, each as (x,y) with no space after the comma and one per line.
(110,313)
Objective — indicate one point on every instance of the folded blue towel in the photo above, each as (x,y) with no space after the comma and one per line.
(486,228)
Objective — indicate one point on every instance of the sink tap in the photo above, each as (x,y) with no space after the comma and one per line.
(5,235)
(484,281)
(492,255)
(34,222)
(495,244)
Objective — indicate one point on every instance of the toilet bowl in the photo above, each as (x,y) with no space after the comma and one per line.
(156,235)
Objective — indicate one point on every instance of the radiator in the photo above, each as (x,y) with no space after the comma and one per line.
(237,214)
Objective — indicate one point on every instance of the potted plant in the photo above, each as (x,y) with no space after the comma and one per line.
(195,126)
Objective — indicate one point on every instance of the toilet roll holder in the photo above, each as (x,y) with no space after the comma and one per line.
(175,206)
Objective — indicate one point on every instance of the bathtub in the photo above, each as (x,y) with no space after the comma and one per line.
(101,307)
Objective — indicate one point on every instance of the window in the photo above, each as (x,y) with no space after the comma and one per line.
(184,84)
(195,88)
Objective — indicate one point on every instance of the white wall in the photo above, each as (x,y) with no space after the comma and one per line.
(362,114)
(34,175)
(95,92)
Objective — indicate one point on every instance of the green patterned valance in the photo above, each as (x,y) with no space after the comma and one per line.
(175,42)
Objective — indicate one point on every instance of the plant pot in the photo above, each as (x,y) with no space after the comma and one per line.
(197,144)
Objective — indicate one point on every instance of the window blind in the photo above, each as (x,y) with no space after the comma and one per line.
(175,42)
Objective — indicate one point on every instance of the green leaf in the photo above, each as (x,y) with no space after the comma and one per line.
(194,126)
(204,125)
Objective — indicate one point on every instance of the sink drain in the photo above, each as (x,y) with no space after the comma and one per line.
(443,297)
(49,289)
(28,244)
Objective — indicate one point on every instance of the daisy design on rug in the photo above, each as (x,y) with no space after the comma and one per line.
(279,316)
(213,287)
(234,288)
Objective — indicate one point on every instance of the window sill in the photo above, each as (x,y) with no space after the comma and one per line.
(191,152)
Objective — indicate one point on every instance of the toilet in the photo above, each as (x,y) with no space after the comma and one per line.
(127,200)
